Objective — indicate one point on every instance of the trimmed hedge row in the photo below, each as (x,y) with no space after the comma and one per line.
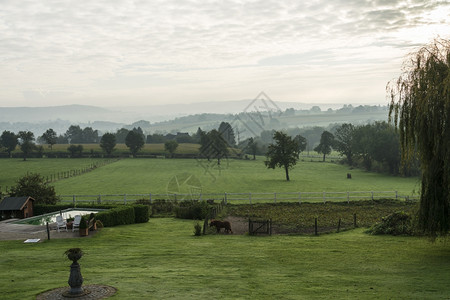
(129,214)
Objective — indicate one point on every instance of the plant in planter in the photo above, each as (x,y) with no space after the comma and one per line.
(99,224)
(75,278)
(84,230)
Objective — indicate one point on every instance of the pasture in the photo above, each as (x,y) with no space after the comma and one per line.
(143,176)
(162,259)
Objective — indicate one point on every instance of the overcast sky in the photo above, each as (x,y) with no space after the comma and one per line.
(112,53)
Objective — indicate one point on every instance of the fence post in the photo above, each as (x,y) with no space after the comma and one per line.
(124,198)
(324,199)
(275,198)
(396,195)
(225,198)
(250,197)
(315,226)
(100,198)
(372,195)
(348,197)
(74,201)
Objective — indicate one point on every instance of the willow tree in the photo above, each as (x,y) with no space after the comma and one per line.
(420,109)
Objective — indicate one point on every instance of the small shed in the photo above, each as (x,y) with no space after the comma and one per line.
(17,207)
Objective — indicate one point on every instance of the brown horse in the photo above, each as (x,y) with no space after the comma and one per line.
(221,224)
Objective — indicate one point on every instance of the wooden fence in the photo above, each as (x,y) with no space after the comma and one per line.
(242,198)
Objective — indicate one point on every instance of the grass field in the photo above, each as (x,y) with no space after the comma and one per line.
(13,169)
(162,259)
(135,176)
(141,176)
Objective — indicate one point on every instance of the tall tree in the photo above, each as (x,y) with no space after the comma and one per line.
(227,133)
(74,134)
(26,141)
(121,134)
(343,139)
(8,140)
(362,144)
(302,143)
(213,145)
(134,141)
(34,185)
(283,154)
(326,143)
(420,108)
(252,146)
(50,137)
(108,142)
(89,135)
(171,146)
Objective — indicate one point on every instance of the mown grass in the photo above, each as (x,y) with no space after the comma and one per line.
(162,259)
(143,176)
(12,169)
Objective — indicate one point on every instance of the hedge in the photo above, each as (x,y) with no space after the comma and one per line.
(141,213)
(117,216)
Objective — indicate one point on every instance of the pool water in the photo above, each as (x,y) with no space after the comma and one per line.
(51,217)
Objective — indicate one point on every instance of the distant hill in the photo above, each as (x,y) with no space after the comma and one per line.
(247,117)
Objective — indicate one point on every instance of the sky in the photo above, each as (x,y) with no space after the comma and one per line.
(133,53)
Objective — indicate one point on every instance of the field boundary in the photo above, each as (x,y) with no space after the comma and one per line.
(241,198)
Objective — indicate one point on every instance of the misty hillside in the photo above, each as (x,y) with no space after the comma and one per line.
(248,121)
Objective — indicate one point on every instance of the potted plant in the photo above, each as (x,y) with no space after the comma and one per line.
(84,230)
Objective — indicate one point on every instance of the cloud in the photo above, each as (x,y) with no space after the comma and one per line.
(95,48)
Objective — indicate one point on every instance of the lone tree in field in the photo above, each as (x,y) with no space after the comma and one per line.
(34,185)
(283,154)
(420,108)
(108,142)
(326,144)
(26,143)
(171,146)
(8,140)
(50,137)
(134,141)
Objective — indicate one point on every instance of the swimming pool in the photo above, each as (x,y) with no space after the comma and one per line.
(51,217)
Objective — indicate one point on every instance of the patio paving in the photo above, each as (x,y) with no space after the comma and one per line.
(10,231)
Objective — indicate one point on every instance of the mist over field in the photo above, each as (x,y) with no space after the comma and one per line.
(172,118)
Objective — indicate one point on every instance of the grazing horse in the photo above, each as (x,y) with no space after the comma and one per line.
(221,224)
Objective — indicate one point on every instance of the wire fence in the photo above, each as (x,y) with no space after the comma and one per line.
(242,198)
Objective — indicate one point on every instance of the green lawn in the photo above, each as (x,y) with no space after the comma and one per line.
(13,169)
(162,259)
(140,176)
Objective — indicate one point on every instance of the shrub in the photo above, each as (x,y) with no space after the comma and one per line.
(195,210)
(197,229)
(394,224)
(141,213)
(83,223)
(162,206)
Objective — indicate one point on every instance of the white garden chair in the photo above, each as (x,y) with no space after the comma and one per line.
(76,222)
(60,223)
